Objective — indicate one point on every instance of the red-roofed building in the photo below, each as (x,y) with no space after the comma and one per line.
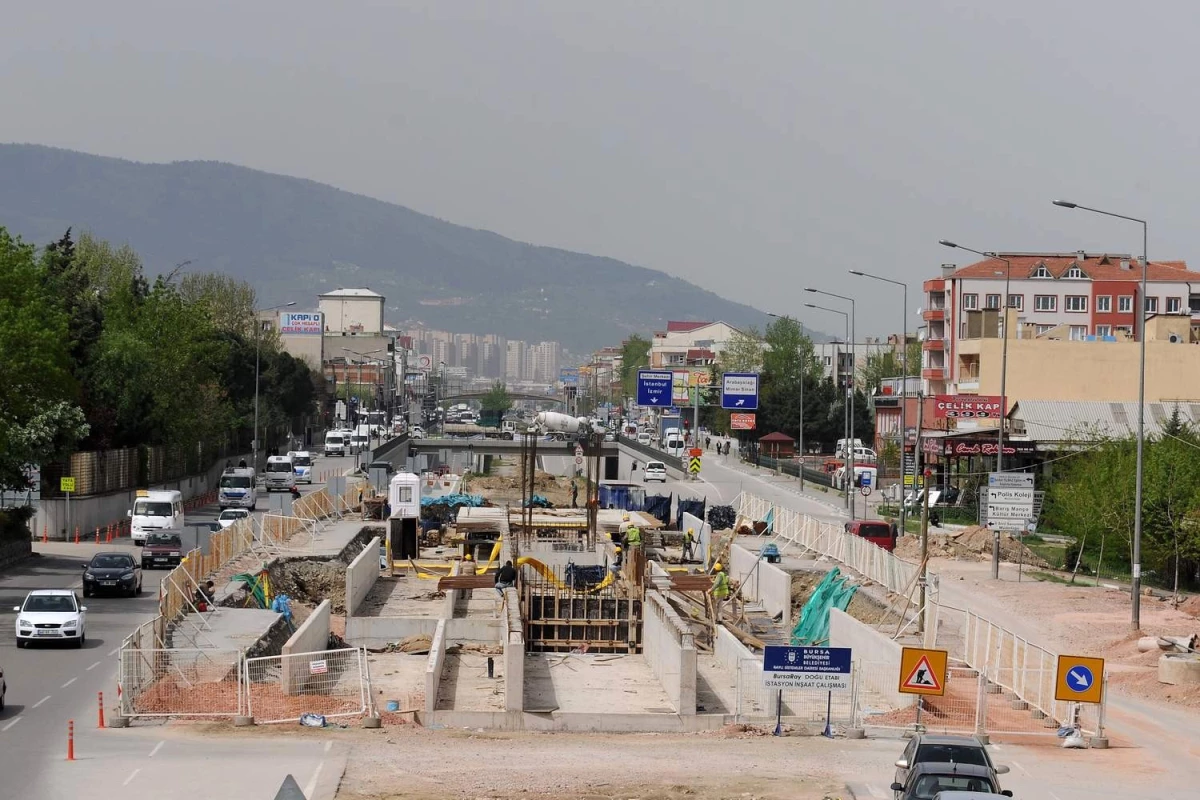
(1052,296)
(689,344)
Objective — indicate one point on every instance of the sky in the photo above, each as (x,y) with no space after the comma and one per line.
(755,147)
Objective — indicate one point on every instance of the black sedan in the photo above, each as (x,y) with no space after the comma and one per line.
(118,573)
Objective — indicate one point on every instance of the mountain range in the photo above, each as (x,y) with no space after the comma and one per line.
(293,239)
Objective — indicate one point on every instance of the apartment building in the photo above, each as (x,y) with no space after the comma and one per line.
(689,344)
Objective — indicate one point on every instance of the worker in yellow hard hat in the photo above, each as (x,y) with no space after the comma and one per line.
(689,545)
(617,559)
(720,588)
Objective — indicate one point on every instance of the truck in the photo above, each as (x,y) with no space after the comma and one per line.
(555,422)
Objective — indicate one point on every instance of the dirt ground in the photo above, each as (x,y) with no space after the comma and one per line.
(862,607)
(1084,620)
(970,544)
(503,489)
(417,764)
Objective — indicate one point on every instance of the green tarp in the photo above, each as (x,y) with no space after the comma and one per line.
(834,591)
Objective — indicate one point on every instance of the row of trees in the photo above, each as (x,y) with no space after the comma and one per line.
(1092,496)
(98,356)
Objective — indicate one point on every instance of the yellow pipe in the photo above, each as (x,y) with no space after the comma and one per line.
(549,575)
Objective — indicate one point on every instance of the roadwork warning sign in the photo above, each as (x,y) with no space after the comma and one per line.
(923,671)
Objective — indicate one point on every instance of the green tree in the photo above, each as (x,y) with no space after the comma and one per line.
(743,352)
(497,398)
(635,355)
(788,360)
(228,302)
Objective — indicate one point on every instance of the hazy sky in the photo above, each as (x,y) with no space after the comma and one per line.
(751,147)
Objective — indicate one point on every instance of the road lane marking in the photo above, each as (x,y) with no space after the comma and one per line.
(158,747)
(874,791)
(11,722)
(1052,794)
(328,746)
(114,651)
(39,702)
(310,788)
(132,775)
(68,683)
(1018,766)
(93,666)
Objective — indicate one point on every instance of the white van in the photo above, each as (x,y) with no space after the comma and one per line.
(302,465)
(840,450)
(360,440)
(237,489)
(279,474)
(336,443)
(673,442)
(154,511)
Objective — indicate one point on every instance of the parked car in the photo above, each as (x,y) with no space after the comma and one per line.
(230,516)
(876,531)
(929,778)
(954,794)
(115,572)
(51,615)
(644,438)
(944,749)
(654,471)
(162,551)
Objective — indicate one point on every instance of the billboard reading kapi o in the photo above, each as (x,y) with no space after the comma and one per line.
(301,323)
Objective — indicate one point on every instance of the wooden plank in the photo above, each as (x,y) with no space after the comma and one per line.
(466,582)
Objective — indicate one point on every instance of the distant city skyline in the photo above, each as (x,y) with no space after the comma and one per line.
(488,355)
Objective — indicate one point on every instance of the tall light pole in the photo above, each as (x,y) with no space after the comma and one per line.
(257,351)
(847,432)
(1005,307)
(903,392)
(803,374)
(1136,582)
(851,388)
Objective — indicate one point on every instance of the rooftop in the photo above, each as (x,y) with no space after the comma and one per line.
(1095,266)
(1064,420)
(684,327)
(351,293)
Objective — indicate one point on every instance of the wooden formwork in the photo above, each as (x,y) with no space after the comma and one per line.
(559,619)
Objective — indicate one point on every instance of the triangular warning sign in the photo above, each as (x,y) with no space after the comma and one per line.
(290,790)
(922,677)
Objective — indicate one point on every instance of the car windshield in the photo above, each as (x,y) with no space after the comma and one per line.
(50,603)
(279,466)
(301,461)
(333,440)
(234,513)
(163,539)
(656,465)
(111,561)
(882,530)
(235,482)
(947,753)
(928,786)
(149,508)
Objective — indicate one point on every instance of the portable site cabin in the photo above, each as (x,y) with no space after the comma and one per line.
(404,525)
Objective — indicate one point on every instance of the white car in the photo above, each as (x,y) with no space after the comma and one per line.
(644,438)
(230,516)
(51,615)
(654,471)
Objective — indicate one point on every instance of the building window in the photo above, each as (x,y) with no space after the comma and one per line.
(1125,304)
(970,302)
(1078,332)
(828,361)
(1103,303)
(1041,272)
(1174,304)
(1075,303)
(1074,272)
(1125,329)
(992,301)
(1045,302)
(1104,330)
(1044,329)
(962,331)
(1016,301)
(1151,305)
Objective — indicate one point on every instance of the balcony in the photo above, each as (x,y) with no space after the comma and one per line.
(934,373)
(934,315)
(934,285)
(930,345)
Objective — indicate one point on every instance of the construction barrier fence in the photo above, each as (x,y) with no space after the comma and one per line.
(180,683)
(808,707)
(332,683)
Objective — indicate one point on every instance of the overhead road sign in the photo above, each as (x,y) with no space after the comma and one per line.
(923,671)
(967,406)
(1080,679)
(742,422)
(825,669)
(654,388)
(694,466)
(739,391)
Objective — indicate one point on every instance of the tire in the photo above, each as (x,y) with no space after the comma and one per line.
(21,644)
(87,594)
(139,588)
(79,642)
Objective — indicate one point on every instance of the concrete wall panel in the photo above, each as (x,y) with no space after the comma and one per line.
(361,575)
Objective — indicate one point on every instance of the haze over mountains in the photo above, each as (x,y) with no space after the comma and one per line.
(294,238)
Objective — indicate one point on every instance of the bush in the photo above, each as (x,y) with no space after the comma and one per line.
(14,523)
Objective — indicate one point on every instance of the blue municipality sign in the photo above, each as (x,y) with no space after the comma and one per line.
(739,391)
(825,669)
(654,388)
(569,376)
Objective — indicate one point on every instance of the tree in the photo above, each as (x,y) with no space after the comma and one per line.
(788,362)
(743,352)
(497,398)
(635,354)
(888,364)
(228,302)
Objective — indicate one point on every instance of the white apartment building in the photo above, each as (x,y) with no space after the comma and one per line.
(689,344)
(355,312)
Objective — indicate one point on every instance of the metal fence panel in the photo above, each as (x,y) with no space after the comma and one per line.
(806,706)
(332,683)
(180,683)
(880,705)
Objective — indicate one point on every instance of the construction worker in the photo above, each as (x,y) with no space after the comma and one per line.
(616,565)
(633,535)
(689,544)
(468,565)
(720,589)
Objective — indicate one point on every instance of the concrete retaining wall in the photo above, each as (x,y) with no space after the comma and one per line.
(433,670)
(669,650)
(762,582)
(377,632)
(703,532)
(312,636)
(729,652)
(361,575)
(514,654)
(877,656)
(581,722)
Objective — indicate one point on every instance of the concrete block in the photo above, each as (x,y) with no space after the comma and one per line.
(433,669)
(243,722)
(1099,742)
(372,722)
(361,575)
(1018,704)
(1179,669)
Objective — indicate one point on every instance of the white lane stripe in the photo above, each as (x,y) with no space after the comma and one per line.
(132,775)
(1018,766)
(874,791)
(68,683)
(11,722)
(158,747)
(1053,795)
(114,651)
(311,788)
(39,702)
(328,746)
(93,666)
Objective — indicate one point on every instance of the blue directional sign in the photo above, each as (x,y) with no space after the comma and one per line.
(739,391)
(822,668)
(654,388)
(1079,679)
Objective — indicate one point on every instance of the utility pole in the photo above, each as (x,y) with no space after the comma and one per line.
(919,463)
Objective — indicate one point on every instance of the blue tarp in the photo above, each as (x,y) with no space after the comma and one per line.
(537,501)
(686,506)
(624,497)
(472,500)
(659,507)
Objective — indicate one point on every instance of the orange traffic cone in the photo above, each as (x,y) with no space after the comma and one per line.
(76,534)
(97,536)
(45,534)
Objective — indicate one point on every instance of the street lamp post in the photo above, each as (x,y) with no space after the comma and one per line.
(1005,308)
(1136,582)
(257,351)
(848,429)
(850,445)
(903,391)
(803,374)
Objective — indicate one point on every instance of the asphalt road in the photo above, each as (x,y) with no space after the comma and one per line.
(53,683)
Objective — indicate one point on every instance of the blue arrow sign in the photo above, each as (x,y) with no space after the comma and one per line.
(654,388)
(739,391)
(1079,679)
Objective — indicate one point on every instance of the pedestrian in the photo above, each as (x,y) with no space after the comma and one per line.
(720,589)
(689,544)
(574,494)
(708,443)
(506,578)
